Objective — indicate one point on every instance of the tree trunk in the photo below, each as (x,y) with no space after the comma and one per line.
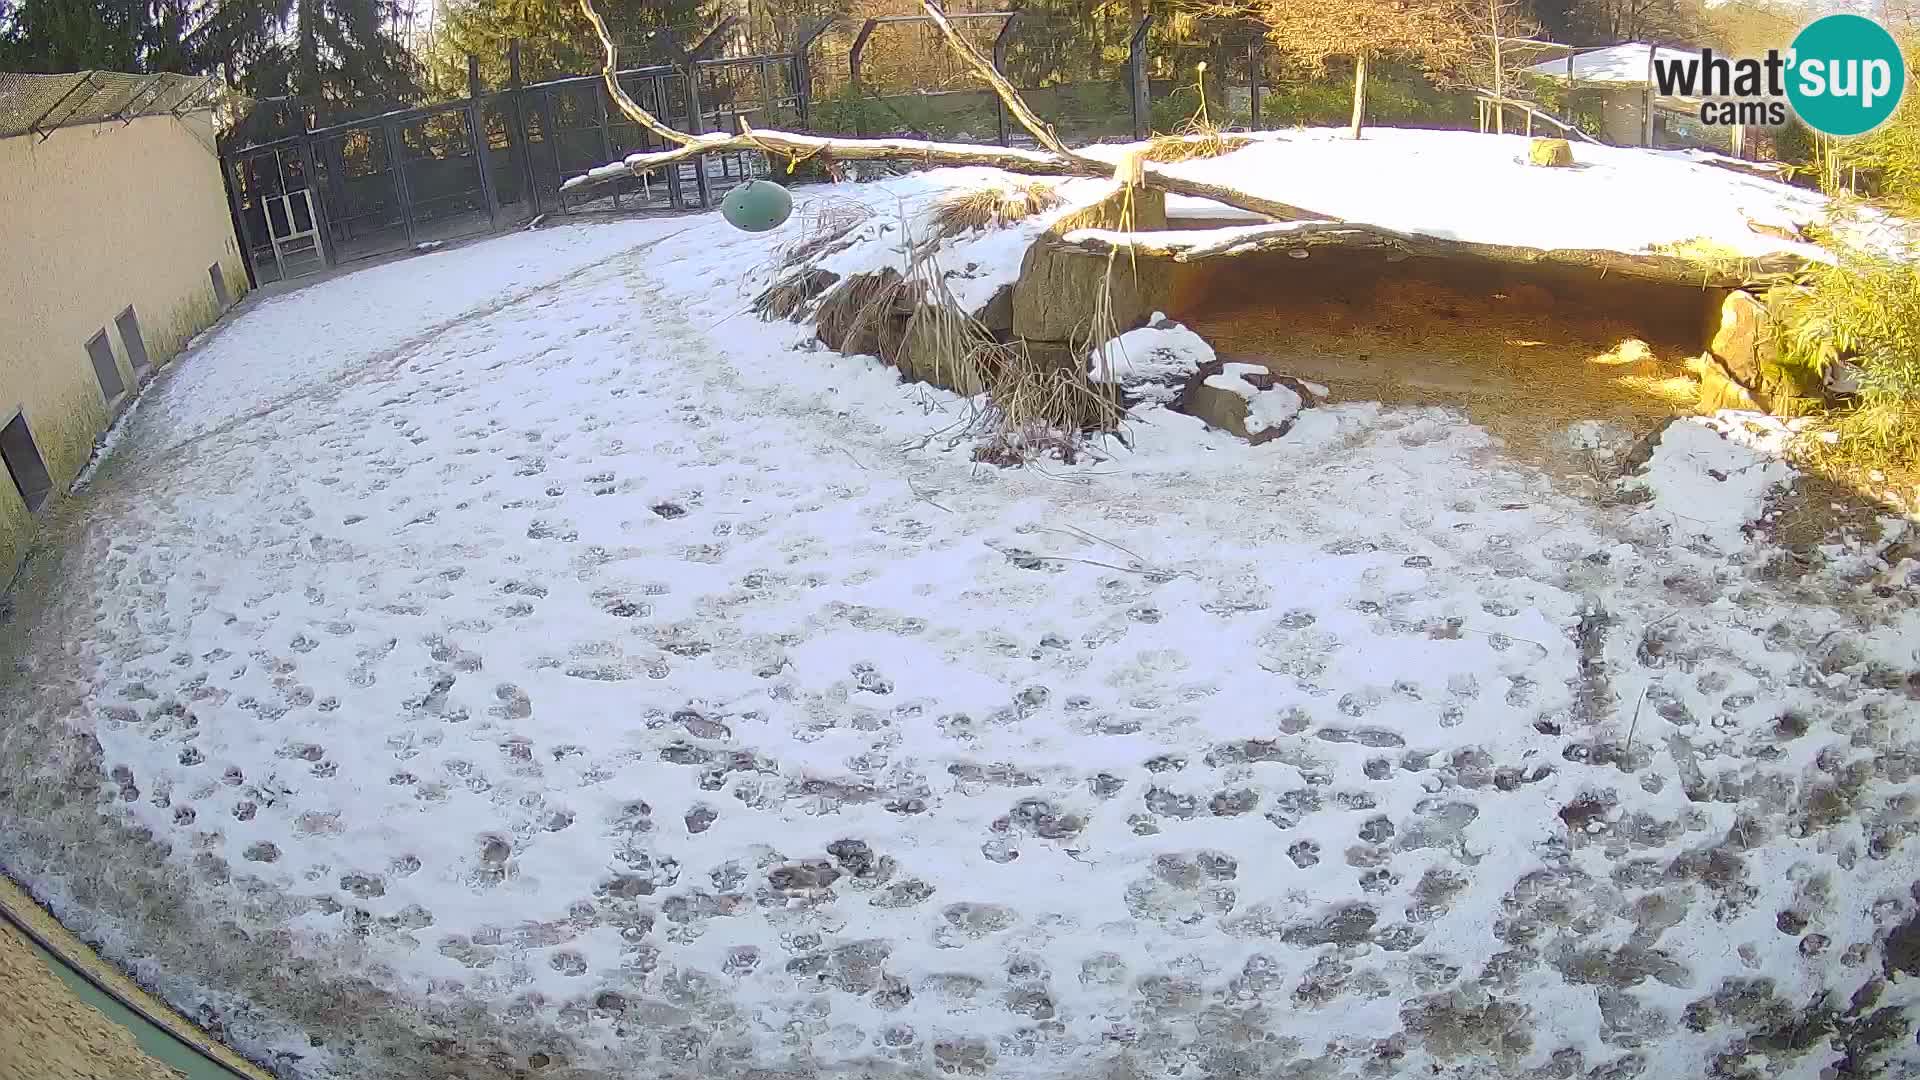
(1299,238)
(1359,92)
(1499,91)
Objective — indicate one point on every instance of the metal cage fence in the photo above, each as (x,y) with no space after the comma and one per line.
(44,103)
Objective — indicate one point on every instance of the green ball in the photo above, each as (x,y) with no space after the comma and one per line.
(756,206)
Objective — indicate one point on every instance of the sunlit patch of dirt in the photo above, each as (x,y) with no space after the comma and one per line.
(1524,352)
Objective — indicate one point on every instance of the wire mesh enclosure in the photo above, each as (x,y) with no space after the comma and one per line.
(500,157)
(45,103)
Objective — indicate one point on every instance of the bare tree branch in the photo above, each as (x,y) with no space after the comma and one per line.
(1042,131)
(627,105)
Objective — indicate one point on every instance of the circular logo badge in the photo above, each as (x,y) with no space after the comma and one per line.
(1847,75)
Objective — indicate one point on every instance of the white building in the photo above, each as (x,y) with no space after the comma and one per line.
(1633,112)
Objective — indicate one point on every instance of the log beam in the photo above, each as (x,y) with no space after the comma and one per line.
(1305,236)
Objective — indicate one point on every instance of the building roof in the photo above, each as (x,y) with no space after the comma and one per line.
(1625,65)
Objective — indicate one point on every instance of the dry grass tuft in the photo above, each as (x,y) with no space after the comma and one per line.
(992,206)
(791,296)
(1193,144)
(848,314)
(1026,401)
(825,227)
(1197,137)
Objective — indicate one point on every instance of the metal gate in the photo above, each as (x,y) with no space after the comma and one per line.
(265,183)
(294,233)
(493,160)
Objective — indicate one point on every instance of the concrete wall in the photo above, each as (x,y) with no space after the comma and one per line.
(93,219)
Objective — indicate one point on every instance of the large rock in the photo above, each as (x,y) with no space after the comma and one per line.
(939,347)
(1136,210)
(1151,365)
(996,316)
(1745,343)
(1059,290)
(1550,153)
(1059,287)
(1247,400)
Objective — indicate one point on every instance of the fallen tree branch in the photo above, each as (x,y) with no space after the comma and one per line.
(800,147)
(1041,131)
(1303,236)
(1294,228)
(1054,159)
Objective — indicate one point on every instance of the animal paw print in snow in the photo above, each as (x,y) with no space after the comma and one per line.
(867,678)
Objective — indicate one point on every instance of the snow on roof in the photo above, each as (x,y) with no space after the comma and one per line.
(1468,186)
(1627,64)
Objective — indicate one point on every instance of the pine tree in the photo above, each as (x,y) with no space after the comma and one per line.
(340,57)
(73,35)
(555,40)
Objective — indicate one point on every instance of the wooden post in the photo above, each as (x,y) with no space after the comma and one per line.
(1359,92)
(696,124)
(318,207)
(1646,102)
(1499,91)
(853,72)
(803,69)
(606,134)
(551,137)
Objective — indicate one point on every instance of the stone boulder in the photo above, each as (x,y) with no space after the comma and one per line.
(869,314)
(1247,400)
(1744,347)
(1058,288)
(1550,153)
(1151,365)
(939,347)
(996,315)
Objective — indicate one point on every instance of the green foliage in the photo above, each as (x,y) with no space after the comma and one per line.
(113,35)
(1396,95)
(1890,155)
(69,35)
(555,38)
(967,114)
(1180,105)
(1865,310)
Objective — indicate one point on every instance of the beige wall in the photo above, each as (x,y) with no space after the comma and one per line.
(93,219)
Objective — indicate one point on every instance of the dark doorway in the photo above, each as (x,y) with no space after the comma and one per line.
(29,472)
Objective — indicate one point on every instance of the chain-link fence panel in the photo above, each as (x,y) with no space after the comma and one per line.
(44,103)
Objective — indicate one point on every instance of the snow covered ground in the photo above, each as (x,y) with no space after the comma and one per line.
(1465,186)
(518,658)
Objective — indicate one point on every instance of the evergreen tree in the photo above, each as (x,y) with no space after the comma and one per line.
(555,39)
(73,35)
(340,57)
